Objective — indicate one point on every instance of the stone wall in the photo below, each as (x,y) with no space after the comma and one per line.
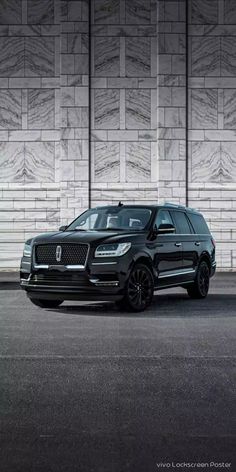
(212,120)
(123,101)
(79,128)
(172,101)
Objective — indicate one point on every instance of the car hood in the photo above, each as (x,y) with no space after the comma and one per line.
(89,237)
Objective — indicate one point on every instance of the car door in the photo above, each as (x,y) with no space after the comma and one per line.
(188,240)
(167,251)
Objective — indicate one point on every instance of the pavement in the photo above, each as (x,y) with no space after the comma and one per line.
(88,388)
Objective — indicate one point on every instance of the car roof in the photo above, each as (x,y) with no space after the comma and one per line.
(169,206)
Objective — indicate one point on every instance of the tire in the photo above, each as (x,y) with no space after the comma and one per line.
(139,289)
(46,303)
(200,287)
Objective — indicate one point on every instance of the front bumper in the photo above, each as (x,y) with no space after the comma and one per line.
(103,280)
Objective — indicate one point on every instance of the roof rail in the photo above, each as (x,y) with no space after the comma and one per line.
(175,205)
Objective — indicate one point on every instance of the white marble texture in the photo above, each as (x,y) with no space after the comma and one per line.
(39,162)
(10,109)
(106,162)
(39,56)
(229,12)
(106,109)
(138,162)
(106,57)
(205,56)
(10,12)
(138,12)
(138,57)
(106,11)
(40,12)
(204,11)
(204,108)
(229,108)
(11,57)
(11,162)
(213,162)
(138,109)
(228,56)
(41,109)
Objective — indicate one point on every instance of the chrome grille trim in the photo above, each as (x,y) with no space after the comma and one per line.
(67,266)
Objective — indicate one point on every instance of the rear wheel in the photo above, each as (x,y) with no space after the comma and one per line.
(200,287)
(46,303)
(139,289)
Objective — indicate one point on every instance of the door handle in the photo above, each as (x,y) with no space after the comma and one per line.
(197,243)
(178,244)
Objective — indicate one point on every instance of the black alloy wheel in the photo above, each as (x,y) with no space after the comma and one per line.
(199,289)
(139,289)
(46,303)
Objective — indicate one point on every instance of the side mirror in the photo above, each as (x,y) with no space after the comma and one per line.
(63,228)
(166,228)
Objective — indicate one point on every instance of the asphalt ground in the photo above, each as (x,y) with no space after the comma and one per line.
(88,388)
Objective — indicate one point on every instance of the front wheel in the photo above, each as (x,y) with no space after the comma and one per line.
(139,289)
(46,303)
(200,287)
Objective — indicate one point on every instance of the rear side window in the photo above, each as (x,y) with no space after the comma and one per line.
(181,222)
(199,224)
(163,217)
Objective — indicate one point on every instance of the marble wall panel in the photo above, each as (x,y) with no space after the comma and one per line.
(39,162)
(138,162)
(204,108)
(106,11)
(10,109)
(10,12)
(229,12)
(228,162)
(229,108)
(11,57)
(39,56)
(205,162)
(138,57)
(213,162)
(11,162)
(40,12)
(107,57)
(106,162)
(138,12)
(41,109)
(204,11)
(205,56)
(106,109)
(74,10)
(138,109)
(228,56)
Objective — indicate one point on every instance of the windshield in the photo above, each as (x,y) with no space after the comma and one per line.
(112,218)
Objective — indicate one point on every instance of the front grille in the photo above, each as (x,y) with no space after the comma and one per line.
(71,254)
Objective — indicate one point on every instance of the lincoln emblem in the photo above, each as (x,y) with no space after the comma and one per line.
(58,253)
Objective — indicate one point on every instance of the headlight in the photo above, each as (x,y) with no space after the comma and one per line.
(27,250)
(115,250)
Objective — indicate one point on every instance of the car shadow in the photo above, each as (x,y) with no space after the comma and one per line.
(163,305)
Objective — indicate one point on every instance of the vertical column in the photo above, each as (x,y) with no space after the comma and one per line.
(171,100)
(29,136)
(124,79)
(74,108)
(212,119)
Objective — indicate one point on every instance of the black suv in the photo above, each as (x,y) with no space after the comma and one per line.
(120,253)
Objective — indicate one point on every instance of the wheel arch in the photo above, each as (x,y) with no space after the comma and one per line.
(146,260)
(205,258)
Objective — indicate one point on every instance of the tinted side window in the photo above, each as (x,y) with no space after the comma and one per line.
(199,224)
(181,221)
(163,216)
